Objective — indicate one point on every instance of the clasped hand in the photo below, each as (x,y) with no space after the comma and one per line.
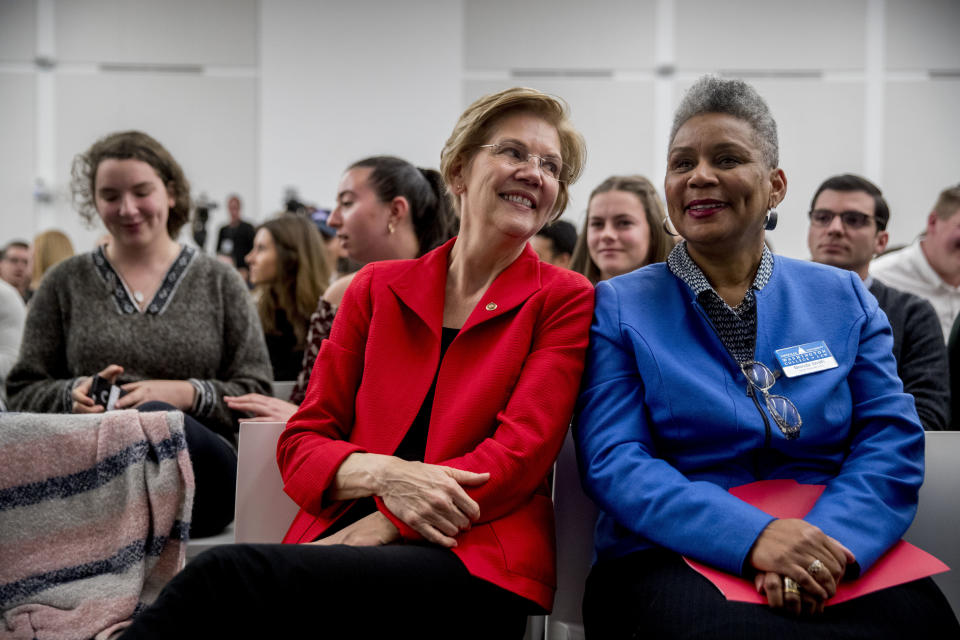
(178,393)
(430,498)
(788,548)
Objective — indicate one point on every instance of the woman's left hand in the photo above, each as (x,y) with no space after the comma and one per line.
(771,585)
(791,547)
(370,531)
(178,393)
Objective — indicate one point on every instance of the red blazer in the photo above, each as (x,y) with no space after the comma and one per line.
(503,400)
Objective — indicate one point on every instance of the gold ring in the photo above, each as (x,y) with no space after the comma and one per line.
(815,567)
(790,586)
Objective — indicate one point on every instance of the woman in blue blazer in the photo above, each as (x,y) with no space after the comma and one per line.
(727,365)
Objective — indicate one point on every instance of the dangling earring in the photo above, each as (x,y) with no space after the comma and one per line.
(666,228)
(771,222)
(390,228)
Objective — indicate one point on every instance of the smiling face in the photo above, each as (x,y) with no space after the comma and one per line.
(361,218)
(618,236)
(133,202)
(717,185)
(499,193)
(262,259)
(840,245)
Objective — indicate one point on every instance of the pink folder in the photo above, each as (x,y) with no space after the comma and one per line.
(902,563)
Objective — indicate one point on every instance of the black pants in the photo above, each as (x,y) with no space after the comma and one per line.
(214,471)
(654,594)
(310,591)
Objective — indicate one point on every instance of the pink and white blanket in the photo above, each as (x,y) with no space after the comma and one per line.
(94,515)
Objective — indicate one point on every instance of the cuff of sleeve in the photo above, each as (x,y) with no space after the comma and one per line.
(205,398)
(68,394)
(405,531)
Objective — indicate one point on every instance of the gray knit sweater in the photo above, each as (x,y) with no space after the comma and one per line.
(201,326)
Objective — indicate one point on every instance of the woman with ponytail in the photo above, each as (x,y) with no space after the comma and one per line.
(387,209)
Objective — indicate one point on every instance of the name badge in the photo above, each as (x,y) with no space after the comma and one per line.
(805,358)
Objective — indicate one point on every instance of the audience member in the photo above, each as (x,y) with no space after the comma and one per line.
(624,229)
(288,266)
(848,221)
(675,410)
(930,267)
(555,243)
(173,328)
(427,421)
(387,209)
(49,248)
(15,267)
(235,239)
(12,314)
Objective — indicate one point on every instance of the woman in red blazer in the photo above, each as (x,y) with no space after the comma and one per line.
(438,404)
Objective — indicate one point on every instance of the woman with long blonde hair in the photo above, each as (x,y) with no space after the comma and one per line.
(49,248)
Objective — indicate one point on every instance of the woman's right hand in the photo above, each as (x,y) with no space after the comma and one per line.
(788,547)
(428,498)
(82,402)
(264,408)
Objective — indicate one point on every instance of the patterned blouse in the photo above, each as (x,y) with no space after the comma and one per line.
(319,328)
(735,326)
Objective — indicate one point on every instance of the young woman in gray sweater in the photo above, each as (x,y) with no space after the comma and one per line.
(172,327)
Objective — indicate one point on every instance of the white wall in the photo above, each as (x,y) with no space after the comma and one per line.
(256,96)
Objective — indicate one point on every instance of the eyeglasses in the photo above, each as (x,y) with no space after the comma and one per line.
(851,219)
(515,155)
(784,412)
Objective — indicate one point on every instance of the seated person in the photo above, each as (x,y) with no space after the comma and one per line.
(677,408)
(171,326)
(427,423)
(387,209)
(848,221)
(555,243)
(624,229)
(289,269)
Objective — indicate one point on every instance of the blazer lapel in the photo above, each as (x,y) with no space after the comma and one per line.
(511,288)
(421,287)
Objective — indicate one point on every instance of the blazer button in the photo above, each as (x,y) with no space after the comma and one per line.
(491,306)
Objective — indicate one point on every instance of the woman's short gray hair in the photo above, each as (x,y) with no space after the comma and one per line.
(713,94)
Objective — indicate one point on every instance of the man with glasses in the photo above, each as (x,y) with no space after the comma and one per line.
(848,220)
(930,267)
(15,267)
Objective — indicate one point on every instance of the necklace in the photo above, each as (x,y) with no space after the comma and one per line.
(138,296)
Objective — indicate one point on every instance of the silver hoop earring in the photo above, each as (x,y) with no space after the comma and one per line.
(667,230)
(771,222)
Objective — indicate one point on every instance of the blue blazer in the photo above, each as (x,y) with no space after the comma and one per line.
(665,425)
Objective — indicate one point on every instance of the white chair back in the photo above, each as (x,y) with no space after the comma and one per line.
(263,511)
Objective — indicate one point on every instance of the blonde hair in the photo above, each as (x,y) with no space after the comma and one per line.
(948,202)
(302,274)
(49,248)
(660,243)
(480,118)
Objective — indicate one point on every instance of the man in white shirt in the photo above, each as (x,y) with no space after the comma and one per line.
(12,315)
(930,267)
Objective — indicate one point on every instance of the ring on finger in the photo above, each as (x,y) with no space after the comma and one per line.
(815,567)
(790,586)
